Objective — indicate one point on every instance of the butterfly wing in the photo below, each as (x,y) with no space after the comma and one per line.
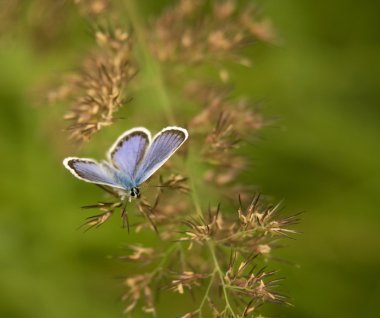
(91,171)
(128,150)
(164,144)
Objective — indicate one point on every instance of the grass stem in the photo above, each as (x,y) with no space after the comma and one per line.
(153,69)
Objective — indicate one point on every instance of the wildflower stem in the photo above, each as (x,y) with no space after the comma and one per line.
(211,247)
(162,262)
(206,295)
(154,73)
(221,276)
(194,195)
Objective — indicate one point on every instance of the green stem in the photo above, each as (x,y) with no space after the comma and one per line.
(211,247)
(154,71)
(156,79)
(221,277)
(161,264)
(206,295)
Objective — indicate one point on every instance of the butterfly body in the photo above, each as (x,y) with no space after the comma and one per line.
(132,159)
(134,193)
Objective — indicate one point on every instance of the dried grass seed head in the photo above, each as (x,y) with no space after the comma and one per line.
(99,89)
(190,32)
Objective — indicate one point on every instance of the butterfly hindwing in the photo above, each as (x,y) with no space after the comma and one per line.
(91,171)
(128,150)
(164,144)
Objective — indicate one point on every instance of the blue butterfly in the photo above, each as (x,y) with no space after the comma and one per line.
(132,159)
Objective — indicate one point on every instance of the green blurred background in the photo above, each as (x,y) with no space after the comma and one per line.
(321,156)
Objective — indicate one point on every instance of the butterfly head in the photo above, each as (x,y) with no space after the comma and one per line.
(134,193)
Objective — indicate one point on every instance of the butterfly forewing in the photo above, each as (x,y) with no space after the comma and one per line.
(164,144)
(129,149)
(91,171)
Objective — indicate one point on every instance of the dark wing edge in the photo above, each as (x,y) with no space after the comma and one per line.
(119,141)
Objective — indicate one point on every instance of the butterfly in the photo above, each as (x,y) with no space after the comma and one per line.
(132,159)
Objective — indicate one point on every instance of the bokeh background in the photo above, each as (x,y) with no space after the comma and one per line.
(321,156)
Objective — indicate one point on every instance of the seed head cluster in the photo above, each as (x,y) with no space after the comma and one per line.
(192,32)
(216,236)
(99,89)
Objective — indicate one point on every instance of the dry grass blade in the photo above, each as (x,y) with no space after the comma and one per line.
(96,220)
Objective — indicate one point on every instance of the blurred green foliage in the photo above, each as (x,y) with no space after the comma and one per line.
(321,156)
